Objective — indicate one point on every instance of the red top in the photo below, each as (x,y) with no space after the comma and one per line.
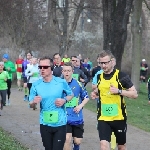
(61,64)
(19,65)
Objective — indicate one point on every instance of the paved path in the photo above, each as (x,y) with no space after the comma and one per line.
(23,123)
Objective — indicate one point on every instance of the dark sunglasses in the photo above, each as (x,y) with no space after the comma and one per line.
(43,67)
(73,60)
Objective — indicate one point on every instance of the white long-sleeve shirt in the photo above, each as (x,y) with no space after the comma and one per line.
(32,73)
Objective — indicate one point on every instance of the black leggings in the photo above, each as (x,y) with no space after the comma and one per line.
(29,85)
(53,138)
(3,96)
(9,87)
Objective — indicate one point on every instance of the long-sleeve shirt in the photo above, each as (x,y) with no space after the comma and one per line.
(32,73)
(80,74)
(3,76)
(11,65)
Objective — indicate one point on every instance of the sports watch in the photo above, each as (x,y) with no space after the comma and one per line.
(119,91)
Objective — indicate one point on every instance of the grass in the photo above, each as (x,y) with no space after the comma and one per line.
(8,142)
(138,110)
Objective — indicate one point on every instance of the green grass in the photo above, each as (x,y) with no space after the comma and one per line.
(8,142)
(138,110)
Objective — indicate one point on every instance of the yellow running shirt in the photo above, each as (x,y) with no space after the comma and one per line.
(111,106)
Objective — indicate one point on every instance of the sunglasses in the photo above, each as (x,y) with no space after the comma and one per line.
(73,60)
(43,67)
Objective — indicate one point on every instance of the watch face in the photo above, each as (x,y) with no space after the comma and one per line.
(119,91)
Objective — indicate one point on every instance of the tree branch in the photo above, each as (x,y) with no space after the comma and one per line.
(148,7)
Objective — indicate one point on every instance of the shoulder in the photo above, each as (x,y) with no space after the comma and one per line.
(122,74)
(76,82)
(58,79)
(37,82)
(10,62)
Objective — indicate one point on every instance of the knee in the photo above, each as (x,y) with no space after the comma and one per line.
(121,147)
(68,139)
(77,141)
(104,145)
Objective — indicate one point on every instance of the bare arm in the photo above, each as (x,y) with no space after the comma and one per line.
(130,93)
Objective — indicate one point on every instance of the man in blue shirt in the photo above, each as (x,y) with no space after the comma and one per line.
(74,107)
(49,92)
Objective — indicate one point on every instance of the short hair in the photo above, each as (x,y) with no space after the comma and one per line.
(106,53)
(46,57)
(29,53)
(74,56)
(68,64)
(56,54)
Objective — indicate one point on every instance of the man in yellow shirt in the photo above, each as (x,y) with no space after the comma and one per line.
(112,86)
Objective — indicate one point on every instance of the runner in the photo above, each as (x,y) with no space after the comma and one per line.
(57,69)
(66,58)
(24,67)
(74,107)
(143,70)
(77,72)
(52,93)
(113,85)
(3,86)
(33,74)
(9,66)
(19,62)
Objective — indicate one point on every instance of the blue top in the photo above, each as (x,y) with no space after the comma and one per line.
(50,91)
(87,66)
(94,81)
(24,67)
(79,92)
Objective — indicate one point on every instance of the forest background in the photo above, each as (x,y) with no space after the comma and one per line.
(69,27)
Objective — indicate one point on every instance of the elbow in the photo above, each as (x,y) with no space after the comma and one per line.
(135,96)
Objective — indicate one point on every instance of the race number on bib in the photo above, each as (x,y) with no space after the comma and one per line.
(50,116)
(109,110)
(75,76)
(72,103)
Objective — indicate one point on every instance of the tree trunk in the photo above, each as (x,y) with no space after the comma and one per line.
(136,29)
(115,20)
(63,45)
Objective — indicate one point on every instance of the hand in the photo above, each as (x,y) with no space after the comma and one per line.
(59,102)
(5,79)
(37,99)
(81,80)
(94,95)
(77,109)
(8,68)
(113,90)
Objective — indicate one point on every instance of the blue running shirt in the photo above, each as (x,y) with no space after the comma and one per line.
(79,92)
(50,91)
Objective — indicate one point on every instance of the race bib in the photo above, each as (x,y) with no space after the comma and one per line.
(75,76)
(35,74)
(109,110)
(143,68)
(19,65)
(72,103)
(50,116)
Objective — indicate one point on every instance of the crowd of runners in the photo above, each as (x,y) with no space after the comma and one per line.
(59,86)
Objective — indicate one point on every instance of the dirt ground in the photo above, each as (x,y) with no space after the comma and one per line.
(23,123)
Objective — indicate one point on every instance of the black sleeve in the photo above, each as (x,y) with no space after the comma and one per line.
(125,80)
(93,72)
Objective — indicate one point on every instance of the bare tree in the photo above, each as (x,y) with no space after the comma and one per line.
(115,20)
(136,26)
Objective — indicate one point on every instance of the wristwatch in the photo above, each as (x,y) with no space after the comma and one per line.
(119,91)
